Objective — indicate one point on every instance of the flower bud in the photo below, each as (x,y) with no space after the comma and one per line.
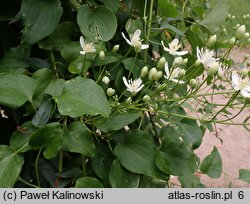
(232,17)
(193,83)
(240,32)
(110,92)
(224,30)
(115,48)
(232,41)
(138,46)
(101,55)
(161,62)
(229,16)
(158,76)
(177,61)
(197,63)
(185,61)
(246,35)
(244,72)
(146,98)
(213,69)
(152,75)
(182,73)
(212,40)
(144,71)
(237,26)
(105,80)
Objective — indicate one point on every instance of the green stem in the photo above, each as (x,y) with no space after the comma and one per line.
(228,103)
(130,71)
(83,165)
(36,167)
(81,72)
(53,63)
(60,165)
(27,183)
(149,27)
(153,124)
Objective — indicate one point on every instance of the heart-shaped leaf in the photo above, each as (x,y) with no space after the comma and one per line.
(40,18)
(10,166)
(119,177)
(82,96)
(99,22)
(78,139)
(88,182)
(212,164)
(137,154)
(48,137)
(16,89)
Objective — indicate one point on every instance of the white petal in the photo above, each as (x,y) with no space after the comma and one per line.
(175,42)
(167,69)
(246,92)
(163,45)
(82,42)
(82,52)
(125,82)
(177,81)
(144,46)
(128,41)
(235,81)
(137,34)
(180,53)
(140,87)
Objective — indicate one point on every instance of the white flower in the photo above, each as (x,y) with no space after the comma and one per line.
(86,47)
(135,40)
(173,75)
(206,57)
(173,47)
(241,84)
(133,86)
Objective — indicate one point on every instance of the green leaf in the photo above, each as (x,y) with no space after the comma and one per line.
(82,96)
(174,157)
(117,121)
(61,36)
(12,62)
(40,18)
(10,166)
(78,139)
(119,177)
(102,161)
(88,182)
(132,25)
(43,78)
(71,53)
(166,25)
(212,164)
(110,57)
(134,64)
(48,137)
(20,138)
(216,17)
(167,9)
(99,22)
(43,113)
(113,4)
(244,175)
(55,87)
(137,154)
(191,133)
(150,182)
(16,89)
(190,181)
